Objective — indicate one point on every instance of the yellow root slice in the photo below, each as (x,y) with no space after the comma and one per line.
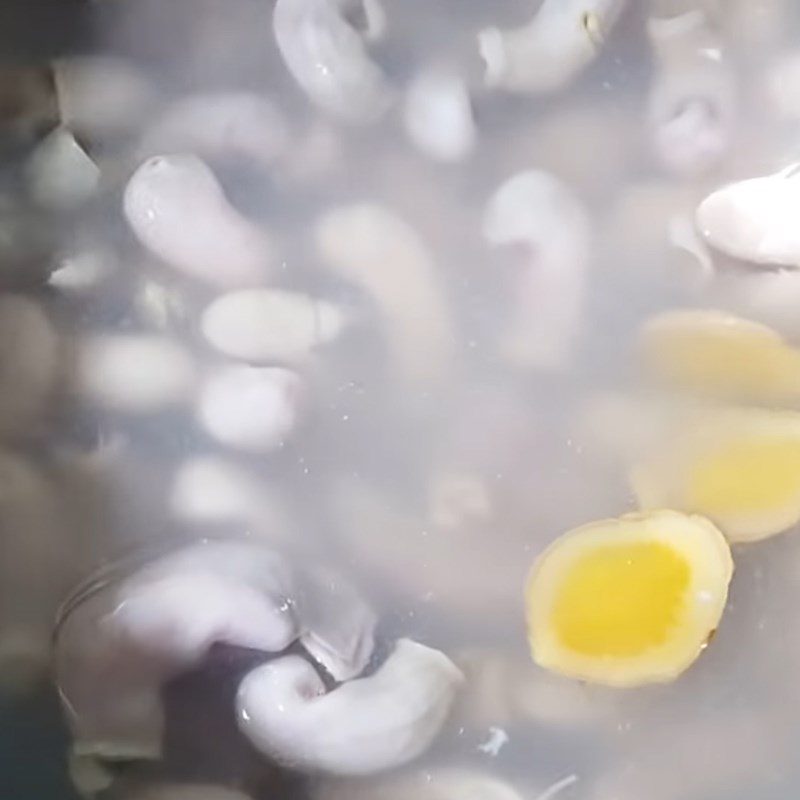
(628,601)
(714,353)
(740,468)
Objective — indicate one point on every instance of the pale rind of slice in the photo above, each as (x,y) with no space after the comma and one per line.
(713,352)
(755,219)
(684,560)
(738,467)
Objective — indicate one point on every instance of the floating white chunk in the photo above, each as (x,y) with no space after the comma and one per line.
(537,213)
(691,104)
(177,209)
(438,116)
(756,219)
(60,173)
(101,96)
(270,325)
(362,726)
(327,57)
(29,364)
(377,251)
(254,409)
(133,373)
(563,37)
(127,633)
(219,125)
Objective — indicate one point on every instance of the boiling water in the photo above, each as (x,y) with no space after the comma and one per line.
(430,462)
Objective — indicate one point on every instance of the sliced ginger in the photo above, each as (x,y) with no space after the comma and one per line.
(740,468)
(715,353)
(628,601)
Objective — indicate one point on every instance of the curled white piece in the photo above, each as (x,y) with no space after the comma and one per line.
(754,220)
(101,96)
(441,783)
(213,489)
(125,636)
(377,251)
(30,356)
(360,727)
(133,373)
(60,174)
(328,58)
(563,37)
(437,115)
(338,624)
(255,409)
(178,210)
(220,125)
(266,326)
(691,107)
(536,212)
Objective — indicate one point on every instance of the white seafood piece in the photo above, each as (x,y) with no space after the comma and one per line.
(122,638)
(178,210)
(692,99)
(265,326)
(30,356)
(535,211)
(754,220)
(255,409)
(441,783)
(437,115)
(212,489)
(60,174)
(360,727)
(563,37)
(219,125)
(133,373)
(377,251)
(328,58)
(101,96)
(338,624)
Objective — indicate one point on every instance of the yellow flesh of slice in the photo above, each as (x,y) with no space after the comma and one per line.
(745,477)
(722,354)
(628,601)
(620,600)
